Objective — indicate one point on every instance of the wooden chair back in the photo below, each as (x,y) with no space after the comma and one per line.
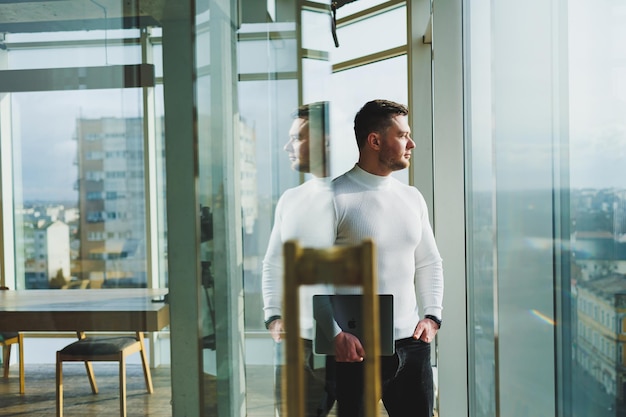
(339,266)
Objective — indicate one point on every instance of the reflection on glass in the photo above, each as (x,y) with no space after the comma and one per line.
(548,241)
(80,200)
(598,208)
(304,213)
(480,220)
(273,175)
(97,48)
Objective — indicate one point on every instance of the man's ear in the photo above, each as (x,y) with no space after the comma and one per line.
(373,140)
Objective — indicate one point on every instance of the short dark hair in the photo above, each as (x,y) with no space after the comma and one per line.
(375,116)
(304,110)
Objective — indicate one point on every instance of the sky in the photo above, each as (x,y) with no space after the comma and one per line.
(46,154)
(595,102)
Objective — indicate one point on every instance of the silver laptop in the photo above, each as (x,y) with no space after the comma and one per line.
(347,312)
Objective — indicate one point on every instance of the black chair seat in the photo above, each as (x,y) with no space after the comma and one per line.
(102,349)
(98,346)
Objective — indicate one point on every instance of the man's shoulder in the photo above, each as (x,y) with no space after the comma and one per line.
(407,189)
(340,179)
(296,190)
(344,178)
(312,190)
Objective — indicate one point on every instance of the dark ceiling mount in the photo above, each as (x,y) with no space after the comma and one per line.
(334,5)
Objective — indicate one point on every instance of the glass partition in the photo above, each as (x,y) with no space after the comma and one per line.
(79,162)
(148,146)
(82,189)
(545,208)
(92,186)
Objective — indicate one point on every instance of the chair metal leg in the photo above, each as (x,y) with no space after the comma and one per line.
(59,383)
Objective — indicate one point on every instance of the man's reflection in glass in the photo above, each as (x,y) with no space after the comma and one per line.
(304,213)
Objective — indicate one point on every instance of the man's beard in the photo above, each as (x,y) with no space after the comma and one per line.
(300,166)
(395,164)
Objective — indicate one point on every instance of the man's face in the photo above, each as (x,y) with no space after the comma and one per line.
(396,145)
(298,145)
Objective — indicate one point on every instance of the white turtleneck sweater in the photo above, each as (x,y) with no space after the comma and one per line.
(358,206)
(304,213)
(395,216)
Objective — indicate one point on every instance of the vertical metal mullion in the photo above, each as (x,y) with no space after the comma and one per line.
(7,246)
(153,271)
(449,220)
(150,174)
(181,156)
(563,313)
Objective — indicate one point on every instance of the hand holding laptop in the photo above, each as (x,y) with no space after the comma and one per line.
(348,348)
(345,311)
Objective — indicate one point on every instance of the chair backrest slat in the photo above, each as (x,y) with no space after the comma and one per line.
(340,266)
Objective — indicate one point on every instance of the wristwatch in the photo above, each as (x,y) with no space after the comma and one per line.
(433,318)
(271,319)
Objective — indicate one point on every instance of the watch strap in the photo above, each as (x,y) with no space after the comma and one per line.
(434,318)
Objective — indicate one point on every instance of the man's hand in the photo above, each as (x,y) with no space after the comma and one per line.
(426,330)
(276,330)
(348,348)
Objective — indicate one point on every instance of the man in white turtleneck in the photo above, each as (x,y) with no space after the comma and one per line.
(305,213)
(370,203)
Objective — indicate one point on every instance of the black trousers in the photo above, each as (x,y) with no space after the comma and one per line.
(320,385)
(406,379)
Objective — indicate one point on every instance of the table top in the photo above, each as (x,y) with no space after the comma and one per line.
(125,309)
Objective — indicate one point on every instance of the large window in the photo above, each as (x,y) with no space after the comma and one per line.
(85,140)
(78,162)
(546,207)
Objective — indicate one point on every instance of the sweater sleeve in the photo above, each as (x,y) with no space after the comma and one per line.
(428,270)
(271,281)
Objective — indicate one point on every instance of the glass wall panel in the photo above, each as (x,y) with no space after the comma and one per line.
(96,181)
(480,216)
(316,30)
(546,133)
(267,94)
(384,79)
(87,170)
(92,183)
(597,91)
(363,37)
(513,158)
(357,6)
(83,190)
(253,55)
(272,175)
(94,48)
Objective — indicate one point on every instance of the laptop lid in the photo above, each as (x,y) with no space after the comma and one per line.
(347,312)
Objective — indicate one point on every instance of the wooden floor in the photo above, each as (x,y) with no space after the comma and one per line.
(39,399)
